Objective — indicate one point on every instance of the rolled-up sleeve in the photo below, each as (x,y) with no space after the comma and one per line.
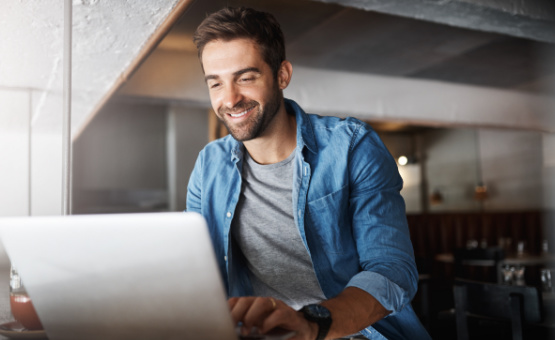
(379,224)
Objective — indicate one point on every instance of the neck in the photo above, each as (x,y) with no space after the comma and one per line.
(277,143)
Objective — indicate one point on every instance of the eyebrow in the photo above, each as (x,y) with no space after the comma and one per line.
(235,74)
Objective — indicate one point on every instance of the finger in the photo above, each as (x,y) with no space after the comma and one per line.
(297,336)
(231,302)
(286,318)
(258,311)
(240,308)
(278,318)
(275,317)
(273,302)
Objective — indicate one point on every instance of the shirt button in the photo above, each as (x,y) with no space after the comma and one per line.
(225,258)
(228,214)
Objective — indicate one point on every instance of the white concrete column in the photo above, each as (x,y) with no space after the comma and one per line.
(14,152)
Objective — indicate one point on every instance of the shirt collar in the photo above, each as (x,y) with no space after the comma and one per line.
(305,130)
(236,150)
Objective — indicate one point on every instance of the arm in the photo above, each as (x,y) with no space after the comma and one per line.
(379,224)
(194,188)
(351,311)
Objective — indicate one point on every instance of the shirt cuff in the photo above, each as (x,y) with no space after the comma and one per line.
(389,295)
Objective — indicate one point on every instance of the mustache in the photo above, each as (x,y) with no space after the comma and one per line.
(239,107)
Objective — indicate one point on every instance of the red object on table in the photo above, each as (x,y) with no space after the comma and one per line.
(24,312)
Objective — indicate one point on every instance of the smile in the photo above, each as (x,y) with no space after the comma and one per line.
(240,114)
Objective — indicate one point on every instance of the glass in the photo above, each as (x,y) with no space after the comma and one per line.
(21,305)
(545,247)
(520,248)
(513,275)
(508,274)
(519,275)
(471,244)
(547,284)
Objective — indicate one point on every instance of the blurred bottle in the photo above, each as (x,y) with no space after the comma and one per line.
(545,247)
(521,249)
(22,308)
(547,284)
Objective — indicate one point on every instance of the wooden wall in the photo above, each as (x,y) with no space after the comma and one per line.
(438,233)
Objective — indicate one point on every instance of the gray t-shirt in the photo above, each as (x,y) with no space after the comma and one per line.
(265,230)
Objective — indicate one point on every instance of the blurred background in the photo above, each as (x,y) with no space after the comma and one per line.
(462,93)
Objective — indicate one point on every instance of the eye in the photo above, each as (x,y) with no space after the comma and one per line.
(213,85)
(246,79)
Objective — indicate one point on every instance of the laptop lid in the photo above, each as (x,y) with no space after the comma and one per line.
(120,276)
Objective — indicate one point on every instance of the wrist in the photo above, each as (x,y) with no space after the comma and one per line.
(313,330)
(319,320)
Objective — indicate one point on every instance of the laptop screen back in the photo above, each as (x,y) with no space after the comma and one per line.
(120,276)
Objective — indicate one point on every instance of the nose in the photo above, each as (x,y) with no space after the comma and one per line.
(231,96)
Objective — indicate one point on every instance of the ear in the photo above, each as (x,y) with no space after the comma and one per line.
(284,75)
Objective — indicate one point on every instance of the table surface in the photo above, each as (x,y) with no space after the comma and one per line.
(524,259)
(530,259)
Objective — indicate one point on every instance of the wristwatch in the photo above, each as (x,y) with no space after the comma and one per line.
(321,316)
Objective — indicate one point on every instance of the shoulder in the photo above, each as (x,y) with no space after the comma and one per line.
(216,157)
(332,123)
(348,130)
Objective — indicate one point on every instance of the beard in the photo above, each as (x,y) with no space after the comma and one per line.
(257,122)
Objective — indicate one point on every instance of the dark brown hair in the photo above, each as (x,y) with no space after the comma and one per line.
(231,23)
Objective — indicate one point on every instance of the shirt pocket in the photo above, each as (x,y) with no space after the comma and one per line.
(329,220)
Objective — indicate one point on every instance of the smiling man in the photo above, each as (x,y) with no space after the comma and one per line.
(304,211)
(247,97)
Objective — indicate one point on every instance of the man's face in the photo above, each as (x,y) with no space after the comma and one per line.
(243,91)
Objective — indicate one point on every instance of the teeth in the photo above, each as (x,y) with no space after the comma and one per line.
(240,114)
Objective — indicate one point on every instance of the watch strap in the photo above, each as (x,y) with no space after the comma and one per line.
(323,322)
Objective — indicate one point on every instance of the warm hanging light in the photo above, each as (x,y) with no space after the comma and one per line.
(406,160)
(436,197)
(480,192)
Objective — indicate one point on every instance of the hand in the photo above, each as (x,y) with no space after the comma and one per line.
(267,313)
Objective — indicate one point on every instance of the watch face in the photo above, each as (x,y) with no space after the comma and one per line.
(319,311)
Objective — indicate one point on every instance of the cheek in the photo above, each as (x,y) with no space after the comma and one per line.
(255,94)
(215,101)
(215,109)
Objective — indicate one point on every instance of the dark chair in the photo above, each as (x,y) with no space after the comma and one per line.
(521,305)
(486,259)
(421,301)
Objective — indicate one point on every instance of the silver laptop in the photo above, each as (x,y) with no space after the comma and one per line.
(121,276)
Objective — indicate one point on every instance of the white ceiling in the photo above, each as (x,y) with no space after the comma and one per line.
(342,35)
(380,66)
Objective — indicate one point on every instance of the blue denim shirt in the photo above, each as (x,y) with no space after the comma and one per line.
(348,208)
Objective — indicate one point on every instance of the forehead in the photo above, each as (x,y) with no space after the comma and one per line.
(220,57)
